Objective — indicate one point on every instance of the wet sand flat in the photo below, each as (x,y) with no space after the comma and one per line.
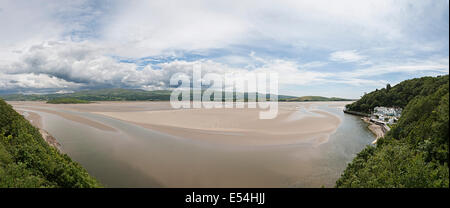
(236,126)
(149,144)
(75,118)
(295,121)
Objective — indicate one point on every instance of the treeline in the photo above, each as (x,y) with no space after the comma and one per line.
(143,95)
(414,153)
(26,160)
(399,95)
(313,98)
(118,94)
(67,101)
(96,95)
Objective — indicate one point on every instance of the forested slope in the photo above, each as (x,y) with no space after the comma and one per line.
(399,95)
(415,152)
(26,160)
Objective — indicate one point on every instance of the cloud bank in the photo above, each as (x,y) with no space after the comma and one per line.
(357,45)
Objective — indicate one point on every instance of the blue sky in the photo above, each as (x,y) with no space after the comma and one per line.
(329,48)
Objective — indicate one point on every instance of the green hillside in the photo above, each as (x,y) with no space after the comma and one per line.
(313,98)
(97,95)
(26,160)
(67,101)
(142,95)
(399,95)
(414,153)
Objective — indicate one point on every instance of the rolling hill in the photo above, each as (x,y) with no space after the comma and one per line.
(118,94)
(313,98)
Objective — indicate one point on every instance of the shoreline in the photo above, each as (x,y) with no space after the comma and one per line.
(376,129)
(51,140)
(36,121)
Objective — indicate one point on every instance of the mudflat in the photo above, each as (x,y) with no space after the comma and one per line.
(236,126)
(149,144)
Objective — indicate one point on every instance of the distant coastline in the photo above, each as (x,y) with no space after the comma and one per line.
(68,101)
(119,94)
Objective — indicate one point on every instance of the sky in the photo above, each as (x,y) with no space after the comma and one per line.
(318,47)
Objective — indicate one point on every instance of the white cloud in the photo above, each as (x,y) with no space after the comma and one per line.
(34,81)
(346,56)
(435,64)
(84,63)
(313,64)
(146,28)
(71,44)
(67,64)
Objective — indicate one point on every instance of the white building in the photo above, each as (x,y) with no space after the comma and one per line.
(386,114)
(388,111)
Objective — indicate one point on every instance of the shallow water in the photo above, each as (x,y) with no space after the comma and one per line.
(135,156)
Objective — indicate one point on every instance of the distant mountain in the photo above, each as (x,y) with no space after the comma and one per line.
(67,101)
(313,98)
(97,95)
(118,94)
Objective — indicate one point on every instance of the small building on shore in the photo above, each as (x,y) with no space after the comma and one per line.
(386,115)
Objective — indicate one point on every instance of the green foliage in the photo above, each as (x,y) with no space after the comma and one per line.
(67,101)
(26,160)
(399,95)
(393,166)
(415,152)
